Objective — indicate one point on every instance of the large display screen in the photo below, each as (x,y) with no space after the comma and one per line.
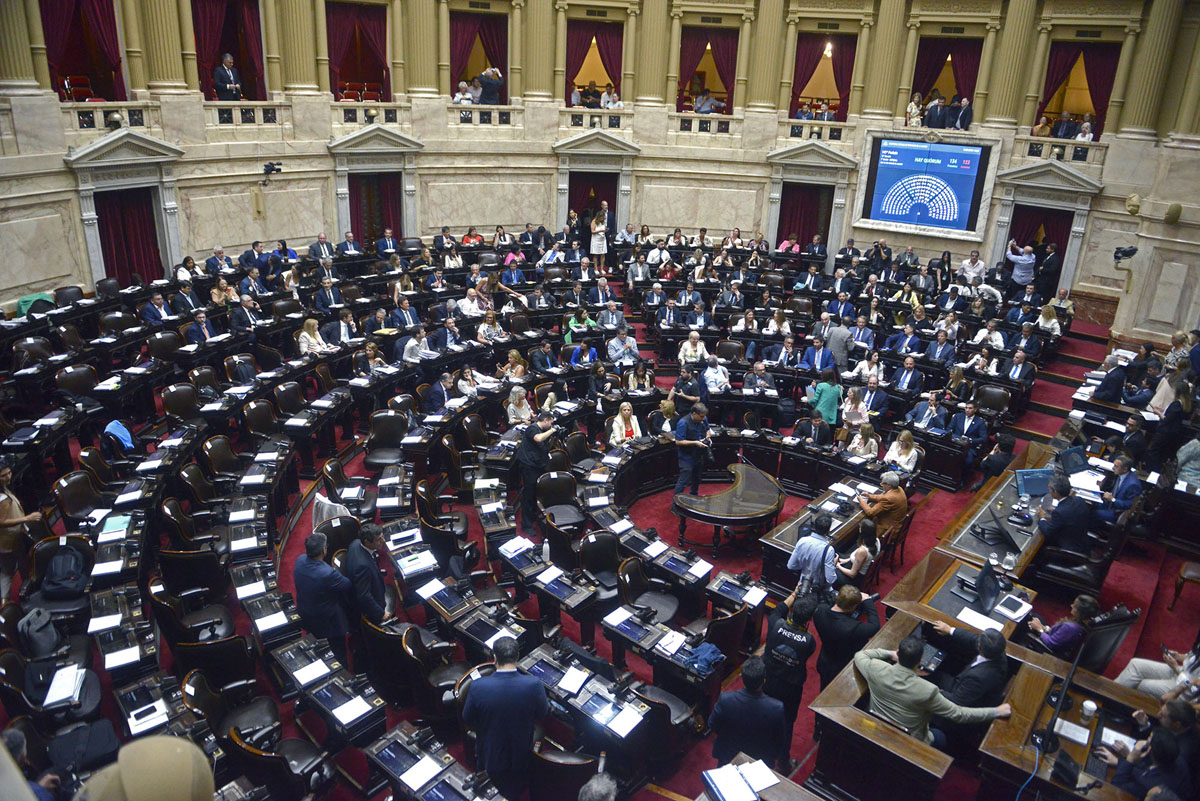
(924,183)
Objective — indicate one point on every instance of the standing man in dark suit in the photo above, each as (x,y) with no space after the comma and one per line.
(227,81)
(321,595)
(960,118)
(1048,272)
(533,456)
(843,628)
(750,721)
(362,568)
(502,709)
(935,117)
(1067,525)
(610,219)
(968,425)
(1113,382)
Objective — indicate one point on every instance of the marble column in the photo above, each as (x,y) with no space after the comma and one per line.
(862,61)
(1150,68)
(766,66)
(539,69)
(422,28)
(671,87)
(629,57)
(321,46)
(788,68)
(883,77)
(560,52)
(297,37)
(1010,62)
(135,64)
(37,44)
(652,51)
(1116,103)
(741,69)
(907,67)
(1036,80)
(979,101)
(443,51)
(164,63)
(16,59)
(516,52)
(396,29)
(187,45)
(1185,119)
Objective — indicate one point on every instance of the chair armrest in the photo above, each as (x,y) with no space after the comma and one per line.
(266,736)
(241,689)
(442,649)
(1065,557)
(660,584)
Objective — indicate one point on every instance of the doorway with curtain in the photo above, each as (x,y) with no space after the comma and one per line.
(804,210)
(83,50)
(229,26)
(128,230)
(478,41)
(585,192)
(358,62)
(375,204)
(707,60)
(1038,226)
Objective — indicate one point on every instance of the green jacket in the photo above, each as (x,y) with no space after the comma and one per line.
(904,698)
(825,401)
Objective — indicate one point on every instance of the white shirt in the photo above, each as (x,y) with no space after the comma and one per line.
(905,463)
(972,270)
(993,338)
(716,378)
(463,98)
(470,307)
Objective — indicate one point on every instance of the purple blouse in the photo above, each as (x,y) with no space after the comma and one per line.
(1063,638)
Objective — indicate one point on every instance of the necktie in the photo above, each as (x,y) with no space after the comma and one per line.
(345,332)
(928,416)
(204,328)
(858,335)
(867,400)
(817,359)
(904,381)
(1016,369)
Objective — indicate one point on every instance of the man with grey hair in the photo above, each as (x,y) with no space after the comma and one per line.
(321,596)
(327,270)
(43,789)
(1023,262)
(600,787)
(886,508)
(217,261)
(1113,382)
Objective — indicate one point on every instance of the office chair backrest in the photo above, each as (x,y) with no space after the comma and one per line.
(598,552)
(289,398)
(340,531)
(93,462)
(631,576)
(66,295)
(1105,634)
(163,345)
(218,452)
(224,661)
(554,489)
(78,379)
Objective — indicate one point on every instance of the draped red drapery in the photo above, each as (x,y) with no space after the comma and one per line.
(391,196)
(585,184)
(609,38)
(128,241)
(965,56)
(692,45)
(1061,60)
(803,211)
(358,45)
(844,48)
(1100,67)
(81,39)
(931,60)
(810,48)
(492,30)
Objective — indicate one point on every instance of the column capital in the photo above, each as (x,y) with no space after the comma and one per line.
(793,18)
(993,26)
(632,11)
(867,22)
(747,16)
(1044,28)
(518,3)
(1133,29)
(914,24)
(676,13)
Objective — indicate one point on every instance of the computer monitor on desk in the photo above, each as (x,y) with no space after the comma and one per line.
(985,592)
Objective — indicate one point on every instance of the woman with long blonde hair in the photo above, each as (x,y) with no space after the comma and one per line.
(625,426)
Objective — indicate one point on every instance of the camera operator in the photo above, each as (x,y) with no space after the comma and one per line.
(693,442)
(880,256)
(533,456)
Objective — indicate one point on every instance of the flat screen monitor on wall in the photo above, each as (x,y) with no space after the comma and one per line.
(922,183)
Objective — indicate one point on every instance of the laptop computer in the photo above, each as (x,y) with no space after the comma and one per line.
(1073,460)
(1034,482)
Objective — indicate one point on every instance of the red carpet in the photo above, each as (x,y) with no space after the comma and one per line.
(1082,349)
(1051,394)
(1045,424)
(1091,329)
(1065,368)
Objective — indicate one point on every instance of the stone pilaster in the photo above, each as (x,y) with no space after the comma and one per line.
(1116,104)
(671,87)
(296,29)
(539,69)
(164,63)
(652,51)
(270,23)
(443,51)
(187,45)
(321,46)
(560,51)
(516,52)
(396,29)
(766,65)
(37,43)
(788,67)
(1011,60)
(422,64)
(862,60)
(1037,78)
(741,69)
(907,67)
(1185,120)
(629,56)
(883,77)
(1150,68)
(983,81)
(16,60)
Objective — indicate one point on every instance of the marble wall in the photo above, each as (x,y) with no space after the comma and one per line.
(714,202)
(234,216)
(463,198)
(42,246)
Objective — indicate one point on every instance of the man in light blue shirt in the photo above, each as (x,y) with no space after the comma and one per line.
(1023,262)
(814,556)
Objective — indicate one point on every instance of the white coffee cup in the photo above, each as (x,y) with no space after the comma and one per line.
(1089,710)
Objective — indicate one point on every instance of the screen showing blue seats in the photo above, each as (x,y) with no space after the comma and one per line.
(925,183)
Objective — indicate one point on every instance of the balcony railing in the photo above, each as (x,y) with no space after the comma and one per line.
(1068,151)
(87,121)
(577,119)
(830,132)
(496,116)
(714,124)
(347,113)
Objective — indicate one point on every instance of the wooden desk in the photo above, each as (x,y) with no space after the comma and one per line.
(901,767)
(786,790)
(924,592)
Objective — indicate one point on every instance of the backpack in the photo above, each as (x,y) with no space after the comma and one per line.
(65,579)
(37,633)
(814,583)
(243,373)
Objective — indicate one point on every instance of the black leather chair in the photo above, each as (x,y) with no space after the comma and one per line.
(223,464)
(13,694)
(73,612)
(257,722)
(558,500)
(261,422)
(383,444)
(460,476)
(202,493)
(104,474)
(430,507)
(564,548)
(385,653)
(669,725)
(181,404)
(183,623)
(555,774)
(228,664)
(641,591)
(725,632)
(600,560)
(339,532)
(77,496)
(194,531)
(432,674)
(294,768)
(336,483)
(200,575)
(66,295)
(74,649)
(583,458)
(1085,573)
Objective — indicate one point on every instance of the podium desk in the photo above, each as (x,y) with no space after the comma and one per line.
(786,790)
(927,591)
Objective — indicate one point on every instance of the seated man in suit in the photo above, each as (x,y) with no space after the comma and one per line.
(744,277)
(904,342)
(251,285)
(970,426)
(997,461)
(1124,489)
(698,318)
(785,355)
(841,307)
(809,281)
(322,593)
(610,316)
(907,379)
(242,319)
(445,240)
(1027,295)
(749,721)
(941,351)
(1021,314)
(201,328)
(155,310)
(438,394)
(1066,526)
(1019,370)
(573,297)
(861,336)
(668,315)
(600,294)
(816,247)
(623,349)
(544,357)
(1113,383)
(250,257)
(654,296)
(814,431)
(731,299)
(503,709)
(982,682)
(874,398)
(218,260)
(583,265)
(1132,442)
(437,281)
(842,283)
(348,247)
(342,330)
(321,249)
(1025,340)
(927,414)
(907,260)
(952,301)
(405,316)
(185,301)
(376,321)
(445,336)
(326,269)
(541,299)
(387,244)
(817,357)
(758,378)
(512,275)
(1139,397)
(327,297)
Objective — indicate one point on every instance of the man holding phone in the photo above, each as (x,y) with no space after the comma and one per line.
(692,441)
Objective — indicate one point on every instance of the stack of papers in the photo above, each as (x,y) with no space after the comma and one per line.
(670,643)
(654,549)
(515,546)
(417,562)
(573,680)
(65,685)
(549,574)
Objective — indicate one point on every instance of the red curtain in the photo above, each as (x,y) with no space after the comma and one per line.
(128,240)
(391,196)
(1063,56)
(609,38)
(1056,224)
(724,43)
(70,50)
(358,45)
(464,28)
(250,45)
(579,39)
(810,48)
(582,185)
(1100,66)
(844,48)
(610,44)
(1026,221)
(800,212)
(208,20)
(931,60)
(58,16)
(493,35)
(372,31)
(341,22)
(965,55)
(102,23)
(691,49)
(356,187)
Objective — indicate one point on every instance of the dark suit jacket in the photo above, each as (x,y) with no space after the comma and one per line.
(539,360)
(947,352)
(816,250)
(962,119)
(179,304)
(322,301)
(822,435)
(936,116)
(772,353)
(331,332)
(878,401)
(248,258)
(1111,386)
(841,637)
(914,383)
(344,247)
(444,242)
(435,398)
(321,250)
(383,245)
(1064,129)
(811,361)
(213,265)
(977,685)
(223,83)
(363,570)
(194,336)
(1031,347)
(976,431)
(239,320)
(1067,525)
(750,722)
(919,411)
(1134,444)
(321,594)
(502,709)
(153,315)
(960,304)
(439,340)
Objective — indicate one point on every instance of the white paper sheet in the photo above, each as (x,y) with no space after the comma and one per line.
(352,710)
(244,544)
(655,548)
(1109,737)
(754,596)
(123,657)
(241,516)
(1072,731)
(272,621)
(573,680)
(599,500)
(103,623)
(730,784)
(975,620)
(251,590)
(515,546)
(430,589)
(411,565)
(107,568)
(311,672)
(549,574)
(758,775)
(621,526)
(618,616)
(700,569)
(65,684)
(625,721)
(419,774)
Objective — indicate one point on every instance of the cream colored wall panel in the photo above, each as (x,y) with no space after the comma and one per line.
(484,201)
(25,268)
(719,209)
(235,219)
